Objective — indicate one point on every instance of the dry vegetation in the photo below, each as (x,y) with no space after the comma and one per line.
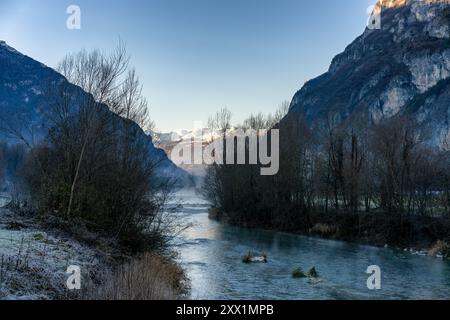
(149,277)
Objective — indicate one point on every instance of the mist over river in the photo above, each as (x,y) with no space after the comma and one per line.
(211,254)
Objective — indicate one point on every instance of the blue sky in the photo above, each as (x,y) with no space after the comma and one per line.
(197,56)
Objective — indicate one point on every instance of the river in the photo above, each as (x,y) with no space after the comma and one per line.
(211,254)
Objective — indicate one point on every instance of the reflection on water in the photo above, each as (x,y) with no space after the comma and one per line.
(211,253)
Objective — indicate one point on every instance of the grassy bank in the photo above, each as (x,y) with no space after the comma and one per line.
(35,253)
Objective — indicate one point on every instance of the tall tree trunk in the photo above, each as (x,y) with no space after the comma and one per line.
(75,179)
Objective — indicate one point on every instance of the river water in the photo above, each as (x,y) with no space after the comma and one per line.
(211,254)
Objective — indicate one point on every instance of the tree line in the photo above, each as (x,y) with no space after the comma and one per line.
(355,179)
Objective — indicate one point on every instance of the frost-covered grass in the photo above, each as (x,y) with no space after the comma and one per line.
(35,253)
(34,260)
(33,263)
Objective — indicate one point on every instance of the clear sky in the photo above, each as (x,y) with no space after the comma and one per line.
(197,56)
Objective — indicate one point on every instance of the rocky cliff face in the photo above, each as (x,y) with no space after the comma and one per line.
(401,68)
(23,82)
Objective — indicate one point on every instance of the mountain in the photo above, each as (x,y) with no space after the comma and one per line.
(184,140)
(22,103)
(401,68)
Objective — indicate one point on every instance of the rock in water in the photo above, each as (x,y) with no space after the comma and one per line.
(313,273)
(250,258)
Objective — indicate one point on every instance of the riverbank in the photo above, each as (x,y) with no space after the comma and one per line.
(423,236)
(35,254)
(211,253)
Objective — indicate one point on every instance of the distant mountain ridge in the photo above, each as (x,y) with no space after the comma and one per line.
(402,68)
(22,100)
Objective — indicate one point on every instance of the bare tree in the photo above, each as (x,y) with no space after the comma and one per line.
(131,104)
(281,112)
(257,122)
(221,120)
(83,126)
(98,75)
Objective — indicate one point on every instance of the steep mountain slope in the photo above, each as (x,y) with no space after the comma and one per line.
(23,82)
(402,68)
(21,90)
